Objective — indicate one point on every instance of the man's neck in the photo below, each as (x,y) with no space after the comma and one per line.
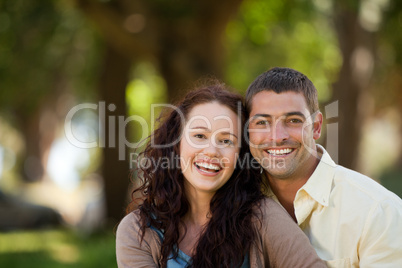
(285,189)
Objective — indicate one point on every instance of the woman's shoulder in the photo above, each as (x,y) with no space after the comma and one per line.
(133,248)
(272,216)
(267,207)
(130,223)
(130,227)
(282,243)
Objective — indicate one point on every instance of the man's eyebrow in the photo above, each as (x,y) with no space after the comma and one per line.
(261,115)
(296,113)
(286,115)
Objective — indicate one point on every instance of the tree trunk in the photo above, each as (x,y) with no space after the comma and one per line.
(350,90)
(32,168)
(182,38)
(39,129)
(113,81)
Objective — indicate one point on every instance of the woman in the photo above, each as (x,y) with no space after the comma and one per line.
(207,209)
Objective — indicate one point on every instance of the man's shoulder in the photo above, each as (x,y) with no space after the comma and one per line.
(351,182)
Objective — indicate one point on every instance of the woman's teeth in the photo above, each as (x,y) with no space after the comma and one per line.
(207,166)
(279,151)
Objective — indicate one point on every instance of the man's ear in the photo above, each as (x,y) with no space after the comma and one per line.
(317,125)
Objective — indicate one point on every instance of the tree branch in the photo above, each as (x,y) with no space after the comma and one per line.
(111,25)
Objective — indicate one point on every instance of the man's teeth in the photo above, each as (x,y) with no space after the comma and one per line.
(208,166)
(279,152)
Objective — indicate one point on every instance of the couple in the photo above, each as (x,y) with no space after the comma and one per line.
(297,208)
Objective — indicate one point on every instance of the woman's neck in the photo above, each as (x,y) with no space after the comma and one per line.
(195,220)
(199,209)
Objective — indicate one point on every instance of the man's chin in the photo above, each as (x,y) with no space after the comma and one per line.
(278,173)
(275,165)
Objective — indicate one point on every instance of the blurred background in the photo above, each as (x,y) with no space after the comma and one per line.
(78,77)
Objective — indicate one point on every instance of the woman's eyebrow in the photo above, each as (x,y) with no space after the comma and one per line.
(207,129)
(200,127)
(229,133)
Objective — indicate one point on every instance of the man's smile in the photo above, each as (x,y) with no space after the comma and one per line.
(280,151)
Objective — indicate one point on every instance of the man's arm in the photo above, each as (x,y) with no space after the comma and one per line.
(381,242)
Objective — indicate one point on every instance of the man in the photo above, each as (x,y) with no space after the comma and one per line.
(351,220)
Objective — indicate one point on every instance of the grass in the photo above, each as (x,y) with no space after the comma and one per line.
(59,248)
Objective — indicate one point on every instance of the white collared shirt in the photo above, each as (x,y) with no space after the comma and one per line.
(351,220)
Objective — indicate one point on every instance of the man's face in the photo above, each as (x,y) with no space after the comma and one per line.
(282,134)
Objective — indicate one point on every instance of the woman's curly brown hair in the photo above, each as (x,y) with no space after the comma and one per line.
(228,236)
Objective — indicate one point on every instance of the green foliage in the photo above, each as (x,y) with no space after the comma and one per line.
(294,34)
(56,249)
(173,10)
(44,48)
(147,87)
(389,58)
(391,179)
(393,23)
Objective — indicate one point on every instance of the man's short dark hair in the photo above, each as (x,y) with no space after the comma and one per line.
(281,80)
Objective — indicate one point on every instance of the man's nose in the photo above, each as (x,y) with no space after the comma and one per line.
(279,131)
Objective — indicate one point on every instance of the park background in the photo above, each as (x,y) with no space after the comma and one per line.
(60,203)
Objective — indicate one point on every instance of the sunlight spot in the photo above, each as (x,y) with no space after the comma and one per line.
(65,161)
(362,62)
(1,160)
(135,23)
(370,14)
(65,253)
(139,94)
(323,5)
(387,124)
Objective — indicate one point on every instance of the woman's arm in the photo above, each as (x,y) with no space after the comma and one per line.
(130,250)
(283,243)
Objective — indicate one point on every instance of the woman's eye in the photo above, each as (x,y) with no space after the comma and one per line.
(227,142)
(199,136)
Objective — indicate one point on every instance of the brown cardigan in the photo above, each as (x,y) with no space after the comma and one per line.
(280,243)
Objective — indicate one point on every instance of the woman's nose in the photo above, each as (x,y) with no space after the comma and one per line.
(211,150)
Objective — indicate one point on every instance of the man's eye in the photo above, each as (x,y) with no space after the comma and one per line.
(295,121)
(262,122)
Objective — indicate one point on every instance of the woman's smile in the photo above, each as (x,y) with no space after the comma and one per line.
(210,142)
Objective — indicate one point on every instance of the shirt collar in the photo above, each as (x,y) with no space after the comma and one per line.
(319,184)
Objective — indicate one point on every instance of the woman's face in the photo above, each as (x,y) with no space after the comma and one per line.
(209,147)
